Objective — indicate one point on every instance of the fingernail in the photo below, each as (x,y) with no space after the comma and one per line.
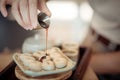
(26,28)
(31,28)
(5,14)
(34,25)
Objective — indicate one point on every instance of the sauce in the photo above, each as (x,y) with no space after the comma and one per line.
(46,39)
(46,42)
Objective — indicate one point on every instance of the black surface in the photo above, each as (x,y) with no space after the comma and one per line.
(9,72)
(109,76)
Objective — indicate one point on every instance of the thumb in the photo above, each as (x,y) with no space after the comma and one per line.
(43,7)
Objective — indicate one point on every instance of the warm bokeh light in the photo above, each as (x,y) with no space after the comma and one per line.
(66,22)
(63,10)
(86,12)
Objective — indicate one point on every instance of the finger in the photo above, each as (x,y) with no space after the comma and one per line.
(16,14)
(33,12)
(43,7)
(3,8)
(24,12)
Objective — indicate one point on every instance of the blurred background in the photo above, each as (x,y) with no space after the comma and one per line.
(70,20)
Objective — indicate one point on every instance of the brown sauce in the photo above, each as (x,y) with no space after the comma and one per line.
(46,39)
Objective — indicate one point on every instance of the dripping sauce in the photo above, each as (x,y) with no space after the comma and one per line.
(46,39)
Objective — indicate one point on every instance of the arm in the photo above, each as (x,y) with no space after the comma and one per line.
(106,63)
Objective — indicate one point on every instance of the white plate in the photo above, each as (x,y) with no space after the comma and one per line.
(70,66)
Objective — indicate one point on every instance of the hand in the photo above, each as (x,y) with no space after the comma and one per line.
(24,11)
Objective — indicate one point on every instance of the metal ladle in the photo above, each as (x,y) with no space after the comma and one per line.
(43,20)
